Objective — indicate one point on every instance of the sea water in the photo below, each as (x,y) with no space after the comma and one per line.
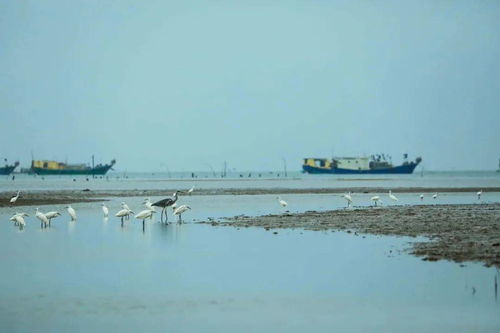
(94,274)
(249,179)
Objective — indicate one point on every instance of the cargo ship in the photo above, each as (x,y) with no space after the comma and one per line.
(375,164)
(7,169)
(43,167)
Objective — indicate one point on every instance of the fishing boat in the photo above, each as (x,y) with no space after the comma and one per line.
(7,169)
(375,164)
(44,167)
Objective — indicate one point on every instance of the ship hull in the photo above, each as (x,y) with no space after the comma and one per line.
(71,172)
(7,170)
(401,169)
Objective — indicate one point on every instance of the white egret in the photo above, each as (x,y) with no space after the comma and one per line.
(282,202)
(392,196)
(125,206)
(348,198)
(479,194)
(13,216)
(51,215)
(71,212)
(43,219)
(123,213)
(143,215)
(15,219)
(421,197)
(375,199)
(190,190)
(181,209)
(14,198)
(435,196)
(20,221)
(149,205)
(105,210)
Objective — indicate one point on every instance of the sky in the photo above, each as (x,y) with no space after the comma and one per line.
(187,85)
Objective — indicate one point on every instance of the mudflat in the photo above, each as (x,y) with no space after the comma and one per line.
(31,198)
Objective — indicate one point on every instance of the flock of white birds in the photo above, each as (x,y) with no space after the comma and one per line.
(125,212)
(376,198)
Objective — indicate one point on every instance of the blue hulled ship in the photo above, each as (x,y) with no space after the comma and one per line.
(375,164)
(7,169)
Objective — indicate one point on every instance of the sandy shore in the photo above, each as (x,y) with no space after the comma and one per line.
(456,232)
(31,198)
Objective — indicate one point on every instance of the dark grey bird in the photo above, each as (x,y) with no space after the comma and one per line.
(165,203)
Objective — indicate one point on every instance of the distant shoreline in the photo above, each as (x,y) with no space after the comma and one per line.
(31,198)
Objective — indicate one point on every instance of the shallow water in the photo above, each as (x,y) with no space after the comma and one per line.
(148,181)
(95,275)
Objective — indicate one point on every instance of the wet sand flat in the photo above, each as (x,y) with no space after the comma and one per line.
(456,232)
(31,198)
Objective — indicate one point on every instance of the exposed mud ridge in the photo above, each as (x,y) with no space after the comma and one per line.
(30,198)
(456,232)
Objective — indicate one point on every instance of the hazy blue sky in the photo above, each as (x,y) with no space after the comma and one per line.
(188,84)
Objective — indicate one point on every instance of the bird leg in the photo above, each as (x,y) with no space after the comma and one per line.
(143,226)
(180,218)
(161,217)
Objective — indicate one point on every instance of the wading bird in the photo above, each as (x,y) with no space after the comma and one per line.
(348,198)
(143,215)
(282,202)
(20,221)
(392,196)
(435,196)
(51,215)
(41,216)
(421,197)
(479,194)
(375,199)
(181,209)
(18,218)
(124,213)
(125,206)
(164,203)
(14,198)
(190,190)
(149,205)
(71,212)
(105,210)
